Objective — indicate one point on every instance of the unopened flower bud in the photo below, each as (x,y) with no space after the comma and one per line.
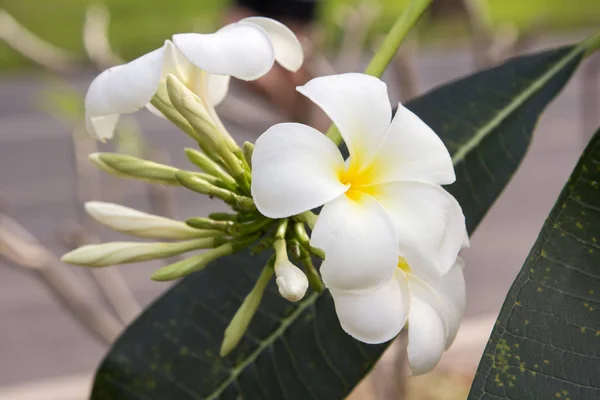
(291,281)
(106,254)
(133,167)
(141,224)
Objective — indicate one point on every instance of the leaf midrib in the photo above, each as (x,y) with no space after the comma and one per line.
(268,341)
(535,86)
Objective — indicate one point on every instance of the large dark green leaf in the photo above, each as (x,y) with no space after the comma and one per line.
(546,342)
(298,351)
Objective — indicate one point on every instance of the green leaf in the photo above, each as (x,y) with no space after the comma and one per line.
(546,342)
(298,351)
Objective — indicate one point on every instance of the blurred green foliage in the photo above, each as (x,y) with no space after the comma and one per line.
(138,26)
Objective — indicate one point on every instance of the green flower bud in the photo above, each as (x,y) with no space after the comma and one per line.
(240,321)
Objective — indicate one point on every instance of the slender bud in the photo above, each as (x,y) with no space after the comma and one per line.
(209,166)
(134,167)
(199,185)
(240,321)
(291,281)
(95,159)
(207,223)
(141,224)
(196,263)
(248,150)
(195,112)
(106,254)
(223,216)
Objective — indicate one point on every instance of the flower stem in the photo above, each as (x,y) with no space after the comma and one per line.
(387,50)
(308,217)
(311,272)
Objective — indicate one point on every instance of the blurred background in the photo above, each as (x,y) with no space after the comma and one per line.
(57,321)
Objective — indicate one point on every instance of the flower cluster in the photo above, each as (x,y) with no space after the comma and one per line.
(388,233)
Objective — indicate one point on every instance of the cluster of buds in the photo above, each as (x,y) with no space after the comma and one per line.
(225,173)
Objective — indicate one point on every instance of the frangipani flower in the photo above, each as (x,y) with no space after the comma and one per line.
(203,62)
(432,307)
(385,200)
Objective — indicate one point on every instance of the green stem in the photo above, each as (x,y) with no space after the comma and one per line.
(314,279)
(387,50)
(591,44)
(198,262)
(308,217)
(304,240)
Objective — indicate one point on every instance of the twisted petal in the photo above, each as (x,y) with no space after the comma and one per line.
(429,222)
(412,151)
(446,296)
(374,316)
(127,88)
(359,241)
(242,50)
(288,50)
(358,105)
(294,169)
(426,336)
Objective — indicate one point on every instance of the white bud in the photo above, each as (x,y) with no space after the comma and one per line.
(141,224)
(291,281)
(106,254)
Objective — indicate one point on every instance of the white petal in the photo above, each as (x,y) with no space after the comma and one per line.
(288,50)
(217,87)
(120,90)
(374,316)
(451,288)
(429,222)
(242,50)
(101,128)
(359,241)
(426,337)
(446,295)
(412,151)
(295,168)
(359,106)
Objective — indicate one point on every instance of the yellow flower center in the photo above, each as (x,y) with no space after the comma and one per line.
(403,266)
(360,181)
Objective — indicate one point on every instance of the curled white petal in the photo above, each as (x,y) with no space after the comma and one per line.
(376,315)
(294,168)
(446,295)
(359,106)
(359,242)
(288,50)
(412,151)
(291,281)
(242,50)
(141,224)
(426,337)
(429,222)
(127,88)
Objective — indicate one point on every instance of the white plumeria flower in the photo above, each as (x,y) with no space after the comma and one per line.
(385,200)
(204,62)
